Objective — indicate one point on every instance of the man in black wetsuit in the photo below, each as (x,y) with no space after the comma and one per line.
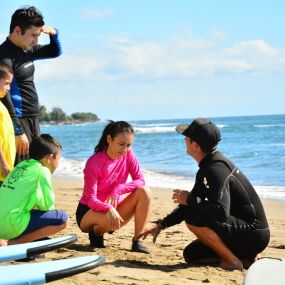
(19,51)
(222,210)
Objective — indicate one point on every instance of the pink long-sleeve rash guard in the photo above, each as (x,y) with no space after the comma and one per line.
(104,177)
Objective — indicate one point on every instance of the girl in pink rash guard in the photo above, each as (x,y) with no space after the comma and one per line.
(108,201)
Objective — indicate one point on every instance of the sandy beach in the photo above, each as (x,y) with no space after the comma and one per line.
(165,264)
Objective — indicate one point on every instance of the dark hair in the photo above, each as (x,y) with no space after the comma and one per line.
(43,145)
(5,69)
(25,18)
(113,129)
(205,149)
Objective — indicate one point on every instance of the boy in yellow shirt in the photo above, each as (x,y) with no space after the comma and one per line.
(7,136)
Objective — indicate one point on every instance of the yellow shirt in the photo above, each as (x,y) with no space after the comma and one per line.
(7,137)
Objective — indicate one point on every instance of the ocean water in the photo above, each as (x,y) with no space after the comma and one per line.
(256,144)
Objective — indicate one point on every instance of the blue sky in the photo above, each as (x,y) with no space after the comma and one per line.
(160,59)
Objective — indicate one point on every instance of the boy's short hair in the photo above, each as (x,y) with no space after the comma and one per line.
(25,18)
(5,69)
(44,145)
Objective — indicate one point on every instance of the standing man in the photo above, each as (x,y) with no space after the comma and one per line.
(222,210)
(19,51)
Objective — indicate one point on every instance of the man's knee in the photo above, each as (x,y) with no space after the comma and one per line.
(192,252)
(196,251)
(189,253)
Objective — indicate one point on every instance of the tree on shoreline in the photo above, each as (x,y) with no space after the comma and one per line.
(57,115)
(43,114)
(81,116)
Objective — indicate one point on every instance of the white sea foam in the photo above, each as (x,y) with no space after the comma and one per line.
(161,180)
(269,126)
(160,128)
(70,168)
(74,168)
(222,126)
(153,125)
(155,129)
(272,192)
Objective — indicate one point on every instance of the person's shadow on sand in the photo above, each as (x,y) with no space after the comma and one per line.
(145,265)
(81,247)
(134,263)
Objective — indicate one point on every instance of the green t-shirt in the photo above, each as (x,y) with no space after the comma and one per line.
(27,186)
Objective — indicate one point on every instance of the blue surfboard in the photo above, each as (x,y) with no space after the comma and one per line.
(24,250)
(44,272)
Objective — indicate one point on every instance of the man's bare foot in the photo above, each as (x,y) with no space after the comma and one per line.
(3,242)
(247,262)
(231,264)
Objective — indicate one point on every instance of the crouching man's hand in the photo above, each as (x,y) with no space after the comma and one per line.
(180,196)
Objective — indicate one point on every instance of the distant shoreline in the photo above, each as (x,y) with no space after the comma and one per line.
(67,122)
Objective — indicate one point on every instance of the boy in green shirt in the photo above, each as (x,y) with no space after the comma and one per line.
(7,135)
(27,198)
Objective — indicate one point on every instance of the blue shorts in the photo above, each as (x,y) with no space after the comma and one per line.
(41,219)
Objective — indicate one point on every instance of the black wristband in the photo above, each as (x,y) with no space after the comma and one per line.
(161,223)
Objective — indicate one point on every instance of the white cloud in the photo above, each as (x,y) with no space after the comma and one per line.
(187,43)
(253,47)
(237,66)
(96,14)
(181,57)
(256,56)
(282,61)
(76,64)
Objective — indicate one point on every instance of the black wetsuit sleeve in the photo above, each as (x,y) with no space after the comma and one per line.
(175,217)
(51,50)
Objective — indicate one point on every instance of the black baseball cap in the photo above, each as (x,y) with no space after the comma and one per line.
(201,130)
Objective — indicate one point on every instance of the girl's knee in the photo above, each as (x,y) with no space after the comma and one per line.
(145,191)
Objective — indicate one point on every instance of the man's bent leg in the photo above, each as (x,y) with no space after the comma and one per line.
(207,236)
(199,253)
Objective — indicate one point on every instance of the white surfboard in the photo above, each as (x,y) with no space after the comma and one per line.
(44,272)
(24,250)
(266,271)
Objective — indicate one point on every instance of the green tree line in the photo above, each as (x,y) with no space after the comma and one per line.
(58,115)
